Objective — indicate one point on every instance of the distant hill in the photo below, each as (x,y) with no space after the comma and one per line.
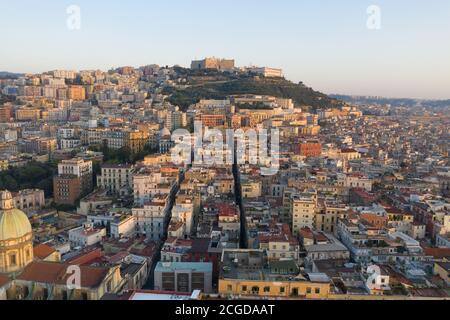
(10,75)
(214,85)
(365,100)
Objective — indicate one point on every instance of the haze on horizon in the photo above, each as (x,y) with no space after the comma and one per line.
(326,45)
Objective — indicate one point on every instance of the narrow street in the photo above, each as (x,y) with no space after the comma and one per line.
(238,196)
(150,282)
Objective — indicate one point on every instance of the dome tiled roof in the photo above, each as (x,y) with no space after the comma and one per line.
(14,223)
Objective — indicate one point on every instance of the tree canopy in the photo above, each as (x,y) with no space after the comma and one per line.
(33,175)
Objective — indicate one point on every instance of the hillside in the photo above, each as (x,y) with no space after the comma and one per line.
(210,85)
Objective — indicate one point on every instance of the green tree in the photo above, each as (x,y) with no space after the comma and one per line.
(10,183)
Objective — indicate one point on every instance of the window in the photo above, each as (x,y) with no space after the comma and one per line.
(183,282)
(308,290)
(266,289)
(168,281)
(13,260)
(198,281)
(229,288)
(244,288)
(317,291)
(282,289)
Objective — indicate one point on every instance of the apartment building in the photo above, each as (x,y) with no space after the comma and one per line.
(147,184)
(86,235)
(212,120)
(79,168)
(310,148)
(184,212)
(350,154)
(175,120)
(136,140)
(320,246)
(40,146)
(116,179)
(152,218)
(118,224)
(28,114)
(247,273)
(66,189)
(279,243)
(77,93)
(55,114)
(327,216)
(64,74)
(69,143)
(250,188)
(31,91)
(355,180)
(5,113)
(303,211)
(116,139)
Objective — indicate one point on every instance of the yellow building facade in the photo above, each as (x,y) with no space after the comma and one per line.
(283,289)
(16,238)
(136,141)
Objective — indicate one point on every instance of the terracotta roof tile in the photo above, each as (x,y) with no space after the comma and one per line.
(429,292)
(56,273)
(3,280)
(42,251)
(437,252)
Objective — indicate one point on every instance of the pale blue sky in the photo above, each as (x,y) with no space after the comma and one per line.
(324,43)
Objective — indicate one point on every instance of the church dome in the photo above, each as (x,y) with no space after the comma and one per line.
(164,133)
(14,223)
